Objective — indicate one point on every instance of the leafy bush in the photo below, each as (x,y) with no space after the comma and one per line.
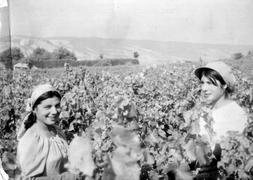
(10,56)
(237,56)
(151,104)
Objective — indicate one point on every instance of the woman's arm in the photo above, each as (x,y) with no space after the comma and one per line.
(32,154)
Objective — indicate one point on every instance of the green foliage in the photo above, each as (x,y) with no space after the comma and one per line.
(16,54)
(64,54)
(101,56)
(134,117)
(60,63)
(39,54)
(10,56)
(30,63)
(136,54)
(39,51)
(237,56)
(44,59)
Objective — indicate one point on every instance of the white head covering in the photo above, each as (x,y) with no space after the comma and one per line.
(37,92)
(223,69)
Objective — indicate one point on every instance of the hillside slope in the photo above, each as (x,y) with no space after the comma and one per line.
(151,52)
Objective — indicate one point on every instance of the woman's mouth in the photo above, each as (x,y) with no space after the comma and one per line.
(206,95)
(52,118)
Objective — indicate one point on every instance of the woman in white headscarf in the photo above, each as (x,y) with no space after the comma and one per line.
(42,148)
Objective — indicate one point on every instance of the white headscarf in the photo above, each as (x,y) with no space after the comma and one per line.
(37,92)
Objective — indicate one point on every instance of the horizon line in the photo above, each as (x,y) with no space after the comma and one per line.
(130,39)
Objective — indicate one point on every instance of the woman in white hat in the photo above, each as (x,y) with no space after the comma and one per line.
(217,83)
(42,149)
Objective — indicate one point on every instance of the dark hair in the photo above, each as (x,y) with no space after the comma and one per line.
(214,76)
(31,119)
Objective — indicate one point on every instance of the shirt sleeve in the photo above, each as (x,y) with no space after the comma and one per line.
(32,153)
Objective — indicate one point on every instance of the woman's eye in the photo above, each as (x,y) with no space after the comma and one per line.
(47,107)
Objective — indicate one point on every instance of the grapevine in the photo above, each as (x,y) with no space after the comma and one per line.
(152,104)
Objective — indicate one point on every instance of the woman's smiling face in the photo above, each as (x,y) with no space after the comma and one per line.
(211,93)
(48,111)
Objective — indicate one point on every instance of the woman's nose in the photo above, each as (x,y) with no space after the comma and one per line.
(54,110)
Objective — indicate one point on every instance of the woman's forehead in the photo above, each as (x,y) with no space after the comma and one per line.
(52,100)
(210,79)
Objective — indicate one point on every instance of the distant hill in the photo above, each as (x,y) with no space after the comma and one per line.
(150,52)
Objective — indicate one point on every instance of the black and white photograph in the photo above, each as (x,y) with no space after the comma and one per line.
(126,90)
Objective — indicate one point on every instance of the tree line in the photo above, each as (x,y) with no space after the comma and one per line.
(42,58)
(11,56)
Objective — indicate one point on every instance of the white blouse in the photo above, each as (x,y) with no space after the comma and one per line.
(230,117)
(40,155)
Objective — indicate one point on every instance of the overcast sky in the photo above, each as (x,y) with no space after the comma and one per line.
(206,21)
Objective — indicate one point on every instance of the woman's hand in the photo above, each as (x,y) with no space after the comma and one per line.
(199,150)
